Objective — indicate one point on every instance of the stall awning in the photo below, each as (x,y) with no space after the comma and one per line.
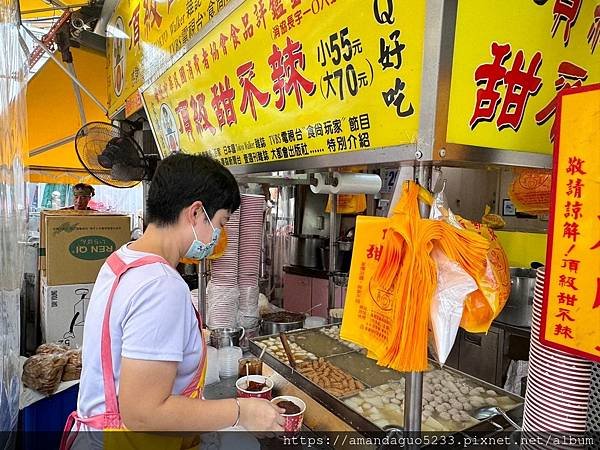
(54,118)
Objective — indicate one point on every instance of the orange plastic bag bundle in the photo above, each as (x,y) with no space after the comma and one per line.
(404,280)
(485,304)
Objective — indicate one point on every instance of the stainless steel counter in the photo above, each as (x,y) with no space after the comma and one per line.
(328,414)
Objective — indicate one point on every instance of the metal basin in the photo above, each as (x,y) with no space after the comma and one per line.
(275,326)
(304,250)
(517,310)
(225,337)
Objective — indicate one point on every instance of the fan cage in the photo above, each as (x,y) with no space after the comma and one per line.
(91,140)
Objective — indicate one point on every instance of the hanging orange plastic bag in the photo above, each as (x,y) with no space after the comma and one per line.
(221,245)
(484,305)
(391,302)
(530,190)
(493,221)
(367,310)
(349,204)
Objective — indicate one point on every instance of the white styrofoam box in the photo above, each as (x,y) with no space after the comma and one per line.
(63,310)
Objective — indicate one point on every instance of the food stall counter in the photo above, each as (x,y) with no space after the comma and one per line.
(346,391)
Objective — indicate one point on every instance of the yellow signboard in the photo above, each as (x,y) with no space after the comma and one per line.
(310,77)
(511,58)
(143,35)
(571,308)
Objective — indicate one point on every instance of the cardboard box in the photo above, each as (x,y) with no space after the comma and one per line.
(63,310)
(75,244)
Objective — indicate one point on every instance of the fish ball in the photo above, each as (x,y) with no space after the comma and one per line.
(445,416)
(456,405)
(491,393)
(456,418)
(441,408)
(464,390)
(428,408)
(491,401)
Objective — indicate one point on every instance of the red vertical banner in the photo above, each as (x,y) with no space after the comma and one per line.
(571,307)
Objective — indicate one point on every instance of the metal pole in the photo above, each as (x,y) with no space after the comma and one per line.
(332,250)
(424,179)
(65,70)
(202,299)
(55,8)
(50,146)
(71,68)
(413,389)
(413,401)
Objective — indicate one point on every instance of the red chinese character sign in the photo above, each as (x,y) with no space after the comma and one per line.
(286,79)
(511,60)
(143,35)
(571,308)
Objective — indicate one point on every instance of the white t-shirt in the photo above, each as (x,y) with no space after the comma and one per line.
(152,318)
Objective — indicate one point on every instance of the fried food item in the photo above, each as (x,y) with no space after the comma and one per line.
(330,378)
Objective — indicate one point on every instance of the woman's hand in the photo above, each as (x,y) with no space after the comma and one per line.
(260,415)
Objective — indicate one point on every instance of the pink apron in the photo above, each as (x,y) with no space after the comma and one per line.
(111,418)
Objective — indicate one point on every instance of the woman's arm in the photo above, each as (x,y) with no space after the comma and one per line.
(146,403)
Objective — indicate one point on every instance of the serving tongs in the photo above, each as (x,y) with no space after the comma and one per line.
(288,350)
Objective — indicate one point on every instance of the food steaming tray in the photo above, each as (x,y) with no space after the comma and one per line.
(383,383)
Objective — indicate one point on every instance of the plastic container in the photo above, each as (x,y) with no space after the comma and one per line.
(228,361)
(315,322)
(212,365)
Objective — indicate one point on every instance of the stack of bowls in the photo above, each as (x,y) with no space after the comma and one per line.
(558,384)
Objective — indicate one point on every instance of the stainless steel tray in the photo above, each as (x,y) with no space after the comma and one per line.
(353,418)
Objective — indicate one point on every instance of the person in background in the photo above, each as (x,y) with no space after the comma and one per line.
(82,194)
(144,356)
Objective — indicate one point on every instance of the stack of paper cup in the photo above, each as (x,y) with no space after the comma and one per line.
(248,314)
(222,307)
(250,243)
(558,384)
(225,269)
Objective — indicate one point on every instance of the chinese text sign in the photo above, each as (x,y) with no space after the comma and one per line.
(571,308)
(143,35)
(278,80)
(511,59)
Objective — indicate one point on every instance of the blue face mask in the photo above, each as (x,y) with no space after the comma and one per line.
(199,250)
